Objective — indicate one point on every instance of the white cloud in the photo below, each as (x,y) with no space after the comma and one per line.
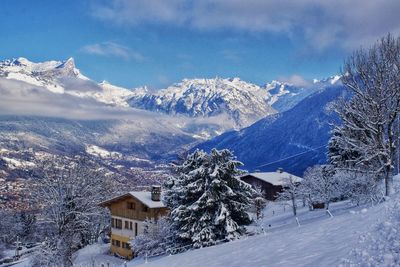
(322,24)
(111,49)
(295,79)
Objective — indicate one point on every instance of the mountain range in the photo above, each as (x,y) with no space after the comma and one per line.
(52,106)
(293,140)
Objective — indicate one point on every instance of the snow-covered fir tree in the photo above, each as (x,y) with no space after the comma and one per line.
(208,202)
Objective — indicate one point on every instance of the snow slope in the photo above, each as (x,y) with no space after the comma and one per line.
(319,241)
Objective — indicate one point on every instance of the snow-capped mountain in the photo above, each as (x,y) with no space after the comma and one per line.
(45,74)
(294,139)
(191,111)
(244,102)
(285,96)
(62,77)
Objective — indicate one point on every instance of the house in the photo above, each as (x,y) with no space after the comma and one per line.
(271,183)
(128,213)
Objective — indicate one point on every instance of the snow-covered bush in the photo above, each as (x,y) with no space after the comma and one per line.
(2,248)
(155,239)
(208,203)
(21,225)
(360,188)
(320,185)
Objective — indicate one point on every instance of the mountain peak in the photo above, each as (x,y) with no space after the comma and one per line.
(22,61)
(243,102)
(69,63)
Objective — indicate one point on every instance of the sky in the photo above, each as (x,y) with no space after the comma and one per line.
(133,43)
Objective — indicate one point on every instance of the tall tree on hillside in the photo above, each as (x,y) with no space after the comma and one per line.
(68,192)
(208,203)
(365,142)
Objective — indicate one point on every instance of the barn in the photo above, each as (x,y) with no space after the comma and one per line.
(271,183)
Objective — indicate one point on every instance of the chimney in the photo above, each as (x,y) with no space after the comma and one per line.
(156,192)
(280,170)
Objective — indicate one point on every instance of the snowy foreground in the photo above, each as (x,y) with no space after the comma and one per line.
(319,241)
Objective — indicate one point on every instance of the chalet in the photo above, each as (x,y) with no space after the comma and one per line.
(271,183)
(128,212)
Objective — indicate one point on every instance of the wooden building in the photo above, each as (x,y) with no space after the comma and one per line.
(128,212)
(271,183)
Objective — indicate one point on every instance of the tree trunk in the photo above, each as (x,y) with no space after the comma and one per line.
(294,205)
(388,183)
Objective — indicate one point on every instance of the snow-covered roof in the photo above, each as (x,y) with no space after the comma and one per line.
(145,198)
(142,196)
(275,178)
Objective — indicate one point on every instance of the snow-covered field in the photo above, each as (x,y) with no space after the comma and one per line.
(96,255)
(319,241)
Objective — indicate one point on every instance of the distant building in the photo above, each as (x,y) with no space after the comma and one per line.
(128,212)
(271,183)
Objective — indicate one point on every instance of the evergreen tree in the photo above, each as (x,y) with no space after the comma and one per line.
(208,202)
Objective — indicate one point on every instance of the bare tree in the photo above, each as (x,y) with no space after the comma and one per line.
(68,193)
(290,194)
(365,142)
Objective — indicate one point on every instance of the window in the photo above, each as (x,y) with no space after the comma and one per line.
(112,223)
(130,225)
(118,223)
(145,208)
(126,245)
(116,243)
(130,205)
(126,225)
(136,228)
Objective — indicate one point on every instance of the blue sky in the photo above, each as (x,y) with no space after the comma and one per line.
(158,42)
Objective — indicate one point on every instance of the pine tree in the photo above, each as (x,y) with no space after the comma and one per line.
(208,202)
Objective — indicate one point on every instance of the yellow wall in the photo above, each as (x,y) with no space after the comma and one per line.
(127,253)
(119,209)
